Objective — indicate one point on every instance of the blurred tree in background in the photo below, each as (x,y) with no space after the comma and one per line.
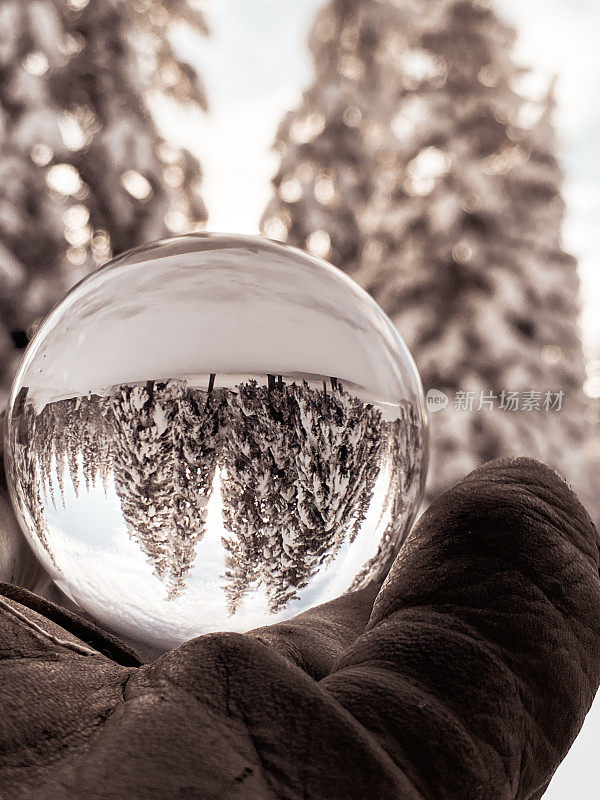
(84,173)
(444,200)
(331,148)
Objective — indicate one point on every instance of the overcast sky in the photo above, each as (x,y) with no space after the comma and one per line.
(256,66)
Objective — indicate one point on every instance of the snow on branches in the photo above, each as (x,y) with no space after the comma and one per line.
(296,464)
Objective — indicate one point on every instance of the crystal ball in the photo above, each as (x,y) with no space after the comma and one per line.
(214,433)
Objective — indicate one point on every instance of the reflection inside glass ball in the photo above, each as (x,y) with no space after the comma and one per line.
(169,490)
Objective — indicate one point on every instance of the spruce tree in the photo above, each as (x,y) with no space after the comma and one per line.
(403,454)
(42,444)
(70,432)
(56,419)
(282,529)
(160,440)
(300,465)
(338,463)
(27,479)
(467,256)
(73,442)
(144,466)
(460,242)
(330,146)
(84,173)
(196,437)
(252,501)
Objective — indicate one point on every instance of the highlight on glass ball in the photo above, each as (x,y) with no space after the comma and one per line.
(215,433)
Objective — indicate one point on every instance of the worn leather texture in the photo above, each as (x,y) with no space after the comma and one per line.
(466,675)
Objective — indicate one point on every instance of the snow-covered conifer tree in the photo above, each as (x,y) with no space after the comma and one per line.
(404,454)
(338,463)
(73,440)
(301,464)
(196,434)
(467,256)
(27,479)
(330,147)
(143,465)
(282,528)
(460,239)
(84,172)
(42,444)
(248,490)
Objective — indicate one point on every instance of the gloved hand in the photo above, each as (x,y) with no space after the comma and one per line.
(467,675)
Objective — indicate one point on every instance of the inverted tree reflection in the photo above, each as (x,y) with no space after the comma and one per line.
(298,463)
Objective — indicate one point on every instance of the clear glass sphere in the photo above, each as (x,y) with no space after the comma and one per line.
(214,433)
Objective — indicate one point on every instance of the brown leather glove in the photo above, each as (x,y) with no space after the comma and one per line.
(469,675)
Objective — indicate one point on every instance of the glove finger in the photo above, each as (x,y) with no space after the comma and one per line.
(33,626)
(316,639)
(482,655)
